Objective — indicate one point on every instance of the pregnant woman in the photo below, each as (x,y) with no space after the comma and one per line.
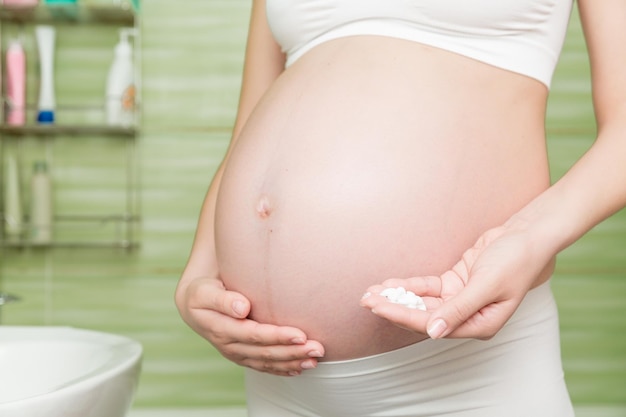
(402,139)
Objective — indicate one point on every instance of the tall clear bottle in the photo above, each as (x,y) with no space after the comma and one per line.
(41,205)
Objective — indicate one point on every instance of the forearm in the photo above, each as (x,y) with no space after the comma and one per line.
(592,190)
(202,259)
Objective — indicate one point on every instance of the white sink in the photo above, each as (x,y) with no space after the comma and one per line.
(66,372)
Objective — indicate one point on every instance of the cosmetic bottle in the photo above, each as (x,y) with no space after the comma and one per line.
(13,214)
(15,4)
(46,104)
(41,205)
(120,87)
(15,84)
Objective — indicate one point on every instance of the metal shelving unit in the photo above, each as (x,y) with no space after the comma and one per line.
(124,223)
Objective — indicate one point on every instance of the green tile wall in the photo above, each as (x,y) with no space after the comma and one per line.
(192,58)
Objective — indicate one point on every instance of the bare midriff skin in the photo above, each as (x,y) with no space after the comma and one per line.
(371,159)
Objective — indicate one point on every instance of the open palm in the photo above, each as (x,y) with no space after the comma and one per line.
(477,296)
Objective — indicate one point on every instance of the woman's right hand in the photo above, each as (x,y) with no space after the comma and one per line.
(220,316)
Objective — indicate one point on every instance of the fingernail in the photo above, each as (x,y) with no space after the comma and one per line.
(238,308)
(307,365)
(315,354)
(437,329)
(294,373)
(298,341)
(366,295)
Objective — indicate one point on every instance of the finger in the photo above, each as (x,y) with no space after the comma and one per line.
(423,285)
(221,329)
(283,360)
(373,300)
(473,312)
(286,369)
(411,319)
(486,322)
(255,333)
(210,294)
(408,318)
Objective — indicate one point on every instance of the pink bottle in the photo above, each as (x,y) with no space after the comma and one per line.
(19,3)
(16,84)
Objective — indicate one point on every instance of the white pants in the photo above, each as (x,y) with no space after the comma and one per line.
(518,373)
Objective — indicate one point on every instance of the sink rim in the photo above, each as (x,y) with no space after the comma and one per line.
(125,353)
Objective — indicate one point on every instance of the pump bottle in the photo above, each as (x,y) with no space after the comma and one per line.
(120,88)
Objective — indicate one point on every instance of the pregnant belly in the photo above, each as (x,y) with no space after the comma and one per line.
(322,198)
(304,246)
(305,254)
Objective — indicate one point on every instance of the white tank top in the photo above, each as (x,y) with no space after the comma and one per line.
(524,36)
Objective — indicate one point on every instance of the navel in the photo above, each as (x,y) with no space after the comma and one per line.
(263,207)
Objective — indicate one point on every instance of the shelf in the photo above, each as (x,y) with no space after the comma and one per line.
(70,13)
(73,130)
(70,245)
(128,219)
(77,125)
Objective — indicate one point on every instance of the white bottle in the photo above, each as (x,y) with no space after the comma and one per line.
(12,201)
(120,88)
(41,205)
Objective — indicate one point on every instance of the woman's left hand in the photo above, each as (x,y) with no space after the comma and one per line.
(478,295)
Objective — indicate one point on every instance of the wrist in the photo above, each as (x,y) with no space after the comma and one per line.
(548,227)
